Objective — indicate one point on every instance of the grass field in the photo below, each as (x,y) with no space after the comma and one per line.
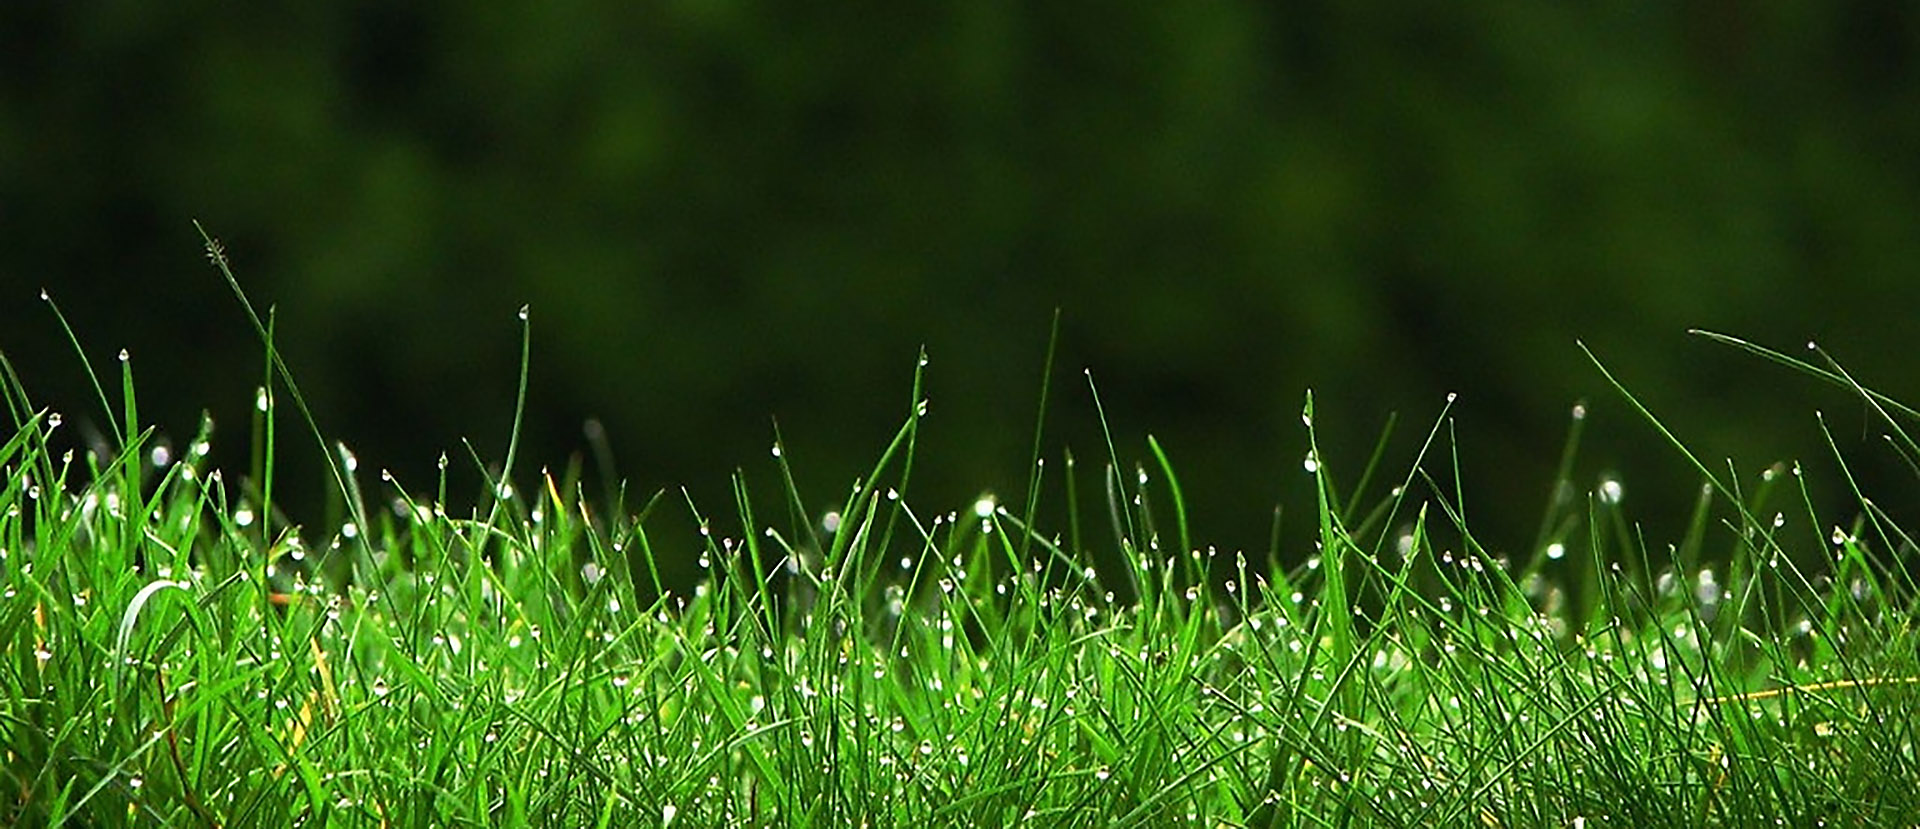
(176,654)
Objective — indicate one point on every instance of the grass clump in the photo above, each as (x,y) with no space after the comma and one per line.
(177,654)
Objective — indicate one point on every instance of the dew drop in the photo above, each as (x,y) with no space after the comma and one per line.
(1556,551)
(776,450)
(523,312)
(124,356)
(1611,492)
(1312,463)
(44,297)
(1579,411)
(260,399)
(1452,396)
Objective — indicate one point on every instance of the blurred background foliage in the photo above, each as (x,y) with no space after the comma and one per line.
(725,212)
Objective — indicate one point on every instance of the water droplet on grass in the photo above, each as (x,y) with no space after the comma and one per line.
(1312,463)
(776,450)
(1556,551)
(261,400)
(1664,585)
(1611,492)
(523,312)
(124,356)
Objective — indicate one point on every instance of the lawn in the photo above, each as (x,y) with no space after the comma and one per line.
(179,654)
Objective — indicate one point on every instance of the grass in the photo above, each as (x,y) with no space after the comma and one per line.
(177,654)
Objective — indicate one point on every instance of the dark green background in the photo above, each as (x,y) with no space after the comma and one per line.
(723,212)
